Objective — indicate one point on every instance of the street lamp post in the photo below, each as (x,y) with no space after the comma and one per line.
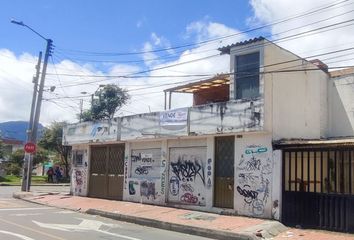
(35,110)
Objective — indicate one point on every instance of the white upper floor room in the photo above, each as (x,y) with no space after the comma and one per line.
(301,100)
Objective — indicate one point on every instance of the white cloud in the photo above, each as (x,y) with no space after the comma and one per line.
(324,41)
(156,39)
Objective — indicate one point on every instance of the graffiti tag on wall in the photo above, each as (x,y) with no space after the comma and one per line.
(188,170)
(146,163)
(187,178)
(253,182)
(147,189)
(132,185)
(79,180)
(163,176)
(209,174)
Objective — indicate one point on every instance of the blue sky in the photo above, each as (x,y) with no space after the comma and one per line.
(109,26)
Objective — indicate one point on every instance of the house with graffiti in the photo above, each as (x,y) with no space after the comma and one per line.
(271,139)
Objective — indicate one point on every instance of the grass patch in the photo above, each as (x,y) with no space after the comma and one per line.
(10,179)
(14,180)
(39,179)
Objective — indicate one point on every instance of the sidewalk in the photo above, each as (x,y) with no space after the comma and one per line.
(186,221)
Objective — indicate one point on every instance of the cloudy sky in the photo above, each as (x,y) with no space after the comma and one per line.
(148,46)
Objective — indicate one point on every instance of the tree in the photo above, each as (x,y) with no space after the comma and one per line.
(1,149)
(14,164)
(85,116)
(52,141)
(108,101)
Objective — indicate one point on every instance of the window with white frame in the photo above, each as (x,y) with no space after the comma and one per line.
(247,75)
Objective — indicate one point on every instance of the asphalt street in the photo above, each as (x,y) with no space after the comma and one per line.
(20,220)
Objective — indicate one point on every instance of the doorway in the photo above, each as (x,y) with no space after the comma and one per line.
(107,172)
(224,172)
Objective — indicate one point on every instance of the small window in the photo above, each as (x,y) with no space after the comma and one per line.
(78,158)
(247,76)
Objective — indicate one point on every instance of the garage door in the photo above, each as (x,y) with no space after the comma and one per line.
(107,171)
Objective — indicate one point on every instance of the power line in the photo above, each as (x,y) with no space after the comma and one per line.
(310,12)
(211,56)
(249,74)
(191,75)
(208,50)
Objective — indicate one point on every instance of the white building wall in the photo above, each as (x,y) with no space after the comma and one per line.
(341,106)
(227,117)
(255,175)
(80,172)
(145,168)
(93,132)
(324,106)
(294,99)
(277,185)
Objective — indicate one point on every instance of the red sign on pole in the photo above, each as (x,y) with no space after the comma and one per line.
(30,147)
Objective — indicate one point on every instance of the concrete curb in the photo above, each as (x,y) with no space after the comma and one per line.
(22,195)
(267,230)
(23,198)
(217,234)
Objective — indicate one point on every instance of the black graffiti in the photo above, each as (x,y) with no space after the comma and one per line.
(253,164)
(188,170)
(248,178)
(221,129)
(138,157)
(135,158)
(249,194)
(142,170)
(147,189)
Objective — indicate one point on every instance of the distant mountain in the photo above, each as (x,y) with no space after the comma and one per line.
(17,130)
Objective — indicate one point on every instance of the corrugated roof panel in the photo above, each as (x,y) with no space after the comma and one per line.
(227,48)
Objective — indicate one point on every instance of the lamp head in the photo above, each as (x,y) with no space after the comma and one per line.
(17,22)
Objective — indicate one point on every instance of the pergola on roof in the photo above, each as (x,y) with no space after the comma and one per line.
(216,81)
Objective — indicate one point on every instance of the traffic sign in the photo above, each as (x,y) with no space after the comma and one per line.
(30,147)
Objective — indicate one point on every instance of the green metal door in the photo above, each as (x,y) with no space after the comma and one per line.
(224,172)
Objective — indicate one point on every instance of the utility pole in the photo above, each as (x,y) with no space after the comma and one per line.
(81,106)
(28,156)
(32,134)
(48,53)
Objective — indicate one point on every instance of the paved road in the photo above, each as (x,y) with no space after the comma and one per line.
(20,220)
